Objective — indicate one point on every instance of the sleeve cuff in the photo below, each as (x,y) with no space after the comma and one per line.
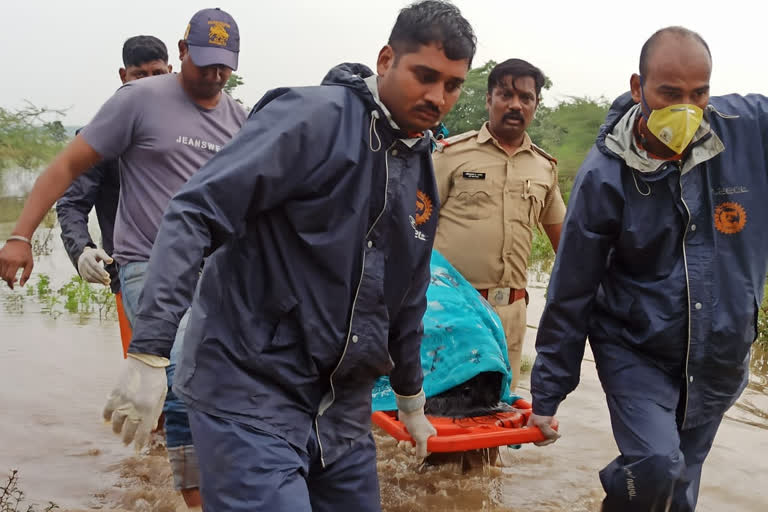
(545,406)
(153,336)
(411,403)
(152,360)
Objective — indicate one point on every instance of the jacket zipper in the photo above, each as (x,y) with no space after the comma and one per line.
(325,407)
(688,293)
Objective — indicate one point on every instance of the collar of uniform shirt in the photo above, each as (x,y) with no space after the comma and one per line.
(485,135)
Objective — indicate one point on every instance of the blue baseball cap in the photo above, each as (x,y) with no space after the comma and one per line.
(213,39)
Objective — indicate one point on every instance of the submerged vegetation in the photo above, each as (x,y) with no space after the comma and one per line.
(76,297)
(12,497)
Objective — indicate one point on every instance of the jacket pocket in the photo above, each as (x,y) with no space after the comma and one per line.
(288,328)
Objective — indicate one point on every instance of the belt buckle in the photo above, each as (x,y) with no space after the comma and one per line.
(499,296)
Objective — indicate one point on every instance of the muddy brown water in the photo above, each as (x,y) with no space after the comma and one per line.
(56,372)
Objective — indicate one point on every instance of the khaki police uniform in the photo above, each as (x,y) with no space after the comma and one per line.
(490,204)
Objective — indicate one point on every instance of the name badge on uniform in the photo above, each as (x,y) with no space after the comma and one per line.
(472,175)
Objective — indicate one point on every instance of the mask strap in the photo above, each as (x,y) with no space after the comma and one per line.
(642,98)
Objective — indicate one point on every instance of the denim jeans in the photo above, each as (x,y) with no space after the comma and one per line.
(178,436)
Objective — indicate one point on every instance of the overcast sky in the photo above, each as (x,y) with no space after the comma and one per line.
(66,53)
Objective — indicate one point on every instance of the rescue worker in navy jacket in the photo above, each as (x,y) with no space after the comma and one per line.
(317,223)
(661,264)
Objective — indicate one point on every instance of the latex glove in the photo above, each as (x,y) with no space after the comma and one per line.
(91,268)
(135,404)
(545,425)
(410,411)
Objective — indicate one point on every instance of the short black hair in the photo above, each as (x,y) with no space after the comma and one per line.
(433,21)
(138,50)
(682,32)
(516,68)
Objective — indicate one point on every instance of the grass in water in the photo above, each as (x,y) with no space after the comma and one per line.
(77,297)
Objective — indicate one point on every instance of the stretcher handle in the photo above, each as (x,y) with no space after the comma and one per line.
(482,437)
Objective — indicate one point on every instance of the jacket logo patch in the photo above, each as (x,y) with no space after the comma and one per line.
(472,175)
(423,208)
(730,218)
(422,214)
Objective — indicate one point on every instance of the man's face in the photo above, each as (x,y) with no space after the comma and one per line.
(419,88)
(678,71)
(203,82)
(151,68)
(511,106)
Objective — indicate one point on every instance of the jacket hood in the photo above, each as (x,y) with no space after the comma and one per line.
(362,81)
(617,140)
(619,108)
(349,74)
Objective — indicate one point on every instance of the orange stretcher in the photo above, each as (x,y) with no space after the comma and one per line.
(125,326)
(459,435)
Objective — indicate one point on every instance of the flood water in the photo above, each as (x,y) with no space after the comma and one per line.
(57,367)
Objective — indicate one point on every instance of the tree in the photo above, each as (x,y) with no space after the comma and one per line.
(233,83)
(26,139)
(469,112)
(568,131)
(57,131)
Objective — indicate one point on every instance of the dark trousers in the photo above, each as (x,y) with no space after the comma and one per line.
(659,468)
(245,469)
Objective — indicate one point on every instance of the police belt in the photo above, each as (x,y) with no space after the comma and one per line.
(503,296)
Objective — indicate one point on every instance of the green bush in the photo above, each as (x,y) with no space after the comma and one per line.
(542,256)
(762,321)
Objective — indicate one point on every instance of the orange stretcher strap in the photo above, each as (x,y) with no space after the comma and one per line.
(125,326)
(459,435)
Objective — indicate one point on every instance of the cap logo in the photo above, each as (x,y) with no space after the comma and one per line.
(217,33)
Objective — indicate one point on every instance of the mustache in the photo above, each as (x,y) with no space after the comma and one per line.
(429,107)
(517,116)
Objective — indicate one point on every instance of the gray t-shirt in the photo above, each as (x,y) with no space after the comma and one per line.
(161,138)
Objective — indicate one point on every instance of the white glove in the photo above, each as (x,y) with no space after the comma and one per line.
(545,424)
(91,268)
(135,404)
(410,411)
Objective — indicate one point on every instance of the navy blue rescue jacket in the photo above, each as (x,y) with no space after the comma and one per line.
(317,221)
(98,188)
(662,265)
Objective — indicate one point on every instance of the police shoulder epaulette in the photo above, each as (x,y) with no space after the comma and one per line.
(449,141)
(544,153)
